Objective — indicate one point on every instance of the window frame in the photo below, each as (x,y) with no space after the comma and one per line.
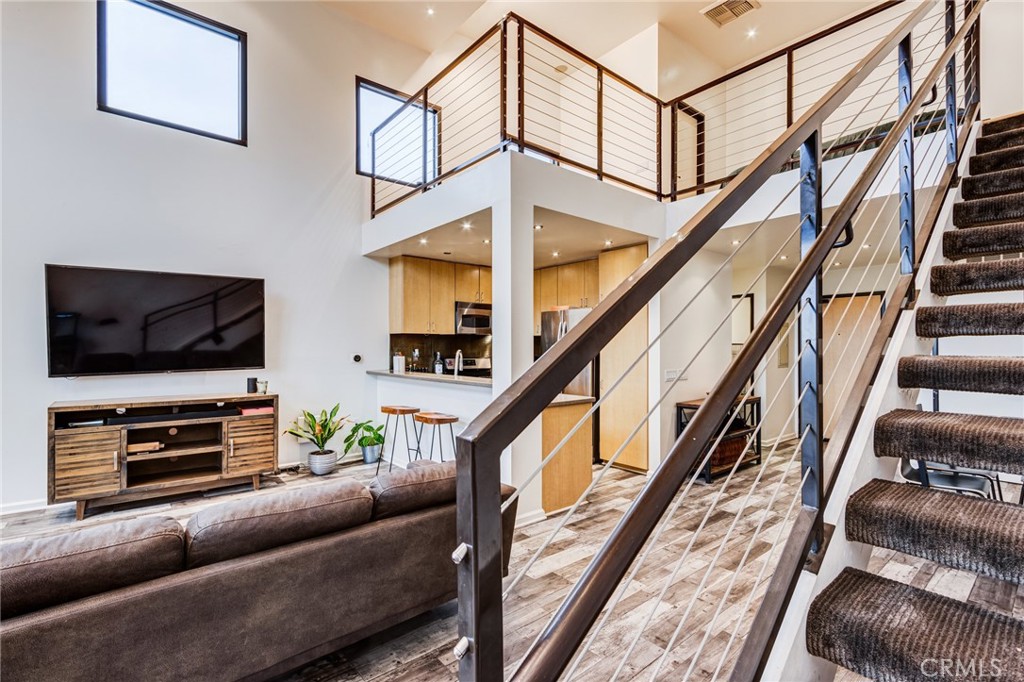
(198,20)
(401,98)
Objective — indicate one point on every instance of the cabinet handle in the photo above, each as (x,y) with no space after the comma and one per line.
(117,460)
(231,447)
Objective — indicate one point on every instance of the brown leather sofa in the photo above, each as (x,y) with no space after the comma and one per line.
(250,589)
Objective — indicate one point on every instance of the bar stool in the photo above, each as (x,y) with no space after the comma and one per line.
(400,412)
(436,420)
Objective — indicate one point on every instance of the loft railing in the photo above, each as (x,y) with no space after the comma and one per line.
(520,87)
(887,205)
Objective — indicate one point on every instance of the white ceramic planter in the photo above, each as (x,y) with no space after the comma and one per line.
(321,463)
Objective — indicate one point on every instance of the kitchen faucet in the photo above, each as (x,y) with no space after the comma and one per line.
(458,362)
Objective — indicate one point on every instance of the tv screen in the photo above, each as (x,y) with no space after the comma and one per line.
(102,321)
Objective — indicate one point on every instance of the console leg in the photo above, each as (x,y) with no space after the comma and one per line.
(80,506)
(255,481)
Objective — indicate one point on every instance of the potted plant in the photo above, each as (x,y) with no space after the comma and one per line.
(319,431)
(369,437)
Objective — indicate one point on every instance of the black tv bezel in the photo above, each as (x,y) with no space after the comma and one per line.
(46,295)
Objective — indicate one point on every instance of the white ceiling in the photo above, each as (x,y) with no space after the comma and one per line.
(465,240)
(595,27)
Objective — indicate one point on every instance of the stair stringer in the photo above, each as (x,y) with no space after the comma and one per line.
(789,658)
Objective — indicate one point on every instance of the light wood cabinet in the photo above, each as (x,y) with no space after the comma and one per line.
(570,285)
(422,296)
(442,297)
(591,283)
(107,452)
(548,292)
(536,302)
(627,405)
(472,283)
(569,473)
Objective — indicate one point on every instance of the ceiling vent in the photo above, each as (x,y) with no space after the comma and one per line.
(721,13)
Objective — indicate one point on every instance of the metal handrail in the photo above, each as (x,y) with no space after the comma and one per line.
(480,445)
(664,149)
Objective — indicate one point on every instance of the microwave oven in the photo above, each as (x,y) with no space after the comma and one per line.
(472,318)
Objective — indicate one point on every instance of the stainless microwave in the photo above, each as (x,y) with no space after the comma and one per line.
(472,318)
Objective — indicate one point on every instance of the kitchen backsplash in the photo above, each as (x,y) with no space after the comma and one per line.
(471,347)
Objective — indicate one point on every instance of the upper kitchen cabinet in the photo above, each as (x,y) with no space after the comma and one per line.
(570,285)
(422,296)
(472,283)
(591,283)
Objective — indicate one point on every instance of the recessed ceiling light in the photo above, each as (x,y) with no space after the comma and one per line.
(839,264)
(783,257)
(751,33)
(735,242)
(555,254)
(466,224)
(866,246)
(538,226)
(423,240)
(607,242)
(430,11)
(487,241)
(447,253)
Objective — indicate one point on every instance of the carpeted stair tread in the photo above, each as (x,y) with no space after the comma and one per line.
(990,240)
(1002,159)
(979,319)
(962,373)
(889,631)
(993,184)
(972,278)
(1004,208)
(963,440)
(963,532)
(1001,140)
(1001,125)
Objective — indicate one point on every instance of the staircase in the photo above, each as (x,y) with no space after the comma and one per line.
(887,630)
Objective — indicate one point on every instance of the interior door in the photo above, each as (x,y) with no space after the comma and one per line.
(847,327)
(624,408)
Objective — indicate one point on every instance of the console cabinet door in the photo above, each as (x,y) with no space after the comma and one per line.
(86,464)
(250,446)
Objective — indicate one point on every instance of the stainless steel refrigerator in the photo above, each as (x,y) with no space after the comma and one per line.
(555,324)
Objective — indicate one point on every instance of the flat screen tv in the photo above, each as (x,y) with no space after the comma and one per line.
(102,322)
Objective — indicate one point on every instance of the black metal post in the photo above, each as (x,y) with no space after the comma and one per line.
(424,137)
(600,123)
(809,368)
(951,113)
(906,157)
(478,508)
(373,174)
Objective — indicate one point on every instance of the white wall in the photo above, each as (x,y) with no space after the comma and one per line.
(1002,53)
(89,188)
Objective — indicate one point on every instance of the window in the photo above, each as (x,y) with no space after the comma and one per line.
(399,155)
(165,65)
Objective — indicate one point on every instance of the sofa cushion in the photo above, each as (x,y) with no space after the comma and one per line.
(424,484)
(262,522)
(43,572)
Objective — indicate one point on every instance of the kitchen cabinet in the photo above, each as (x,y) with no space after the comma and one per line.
(575,285)
(570,285)
(422,296)
(623,409)
(472,283)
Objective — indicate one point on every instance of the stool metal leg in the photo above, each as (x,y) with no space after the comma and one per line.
(387,421)
(451,430)
(419,440)
(409,450)
(433,437)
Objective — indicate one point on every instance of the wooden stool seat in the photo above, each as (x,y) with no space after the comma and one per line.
(436,418)
(399,409)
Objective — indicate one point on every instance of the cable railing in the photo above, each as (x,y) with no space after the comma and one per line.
(692,585)
(519,87)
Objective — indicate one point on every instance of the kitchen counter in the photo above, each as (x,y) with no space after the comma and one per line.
(484,382)
(561,400)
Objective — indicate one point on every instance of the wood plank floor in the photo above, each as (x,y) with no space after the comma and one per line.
(718,585)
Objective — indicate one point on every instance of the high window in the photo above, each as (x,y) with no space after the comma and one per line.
(165,65)
(398,150)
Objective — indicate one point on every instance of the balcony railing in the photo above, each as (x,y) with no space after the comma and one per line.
(519,86)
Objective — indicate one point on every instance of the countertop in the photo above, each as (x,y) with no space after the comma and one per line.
(561,400)
(437,378)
